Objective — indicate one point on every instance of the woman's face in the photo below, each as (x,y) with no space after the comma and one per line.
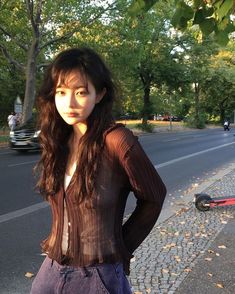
(75,98)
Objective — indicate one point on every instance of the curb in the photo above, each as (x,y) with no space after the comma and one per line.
(4,145)
(189,198)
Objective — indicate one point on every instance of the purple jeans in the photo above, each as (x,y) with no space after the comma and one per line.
(54,278)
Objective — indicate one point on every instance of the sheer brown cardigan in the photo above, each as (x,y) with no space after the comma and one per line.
(96,232)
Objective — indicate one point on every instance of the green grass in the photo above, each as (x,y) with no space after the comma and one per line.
(4,138)
(4,135)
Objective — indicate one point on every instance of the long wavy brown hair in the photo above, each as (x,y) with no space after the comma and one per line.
(55,133)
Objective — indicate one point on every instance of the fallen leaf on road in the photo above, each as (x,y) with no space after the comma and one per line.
(211,251)
(224,222)
(187,270)
(222,247)
(29,275)
(208,259)
(217,254)
(209,274)
(148,290)
(220,285)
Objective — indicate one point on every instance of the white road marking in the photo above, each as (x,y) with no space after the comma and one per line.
(22,163)
(20,212)
(35,207)
(171,140)
(191,155)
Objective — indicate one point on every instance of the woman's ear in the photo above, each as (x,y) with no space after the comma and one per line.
(100,96)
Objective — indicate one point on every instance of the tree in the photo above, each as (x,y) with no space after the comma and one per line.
(143,53)
(212,16)
(30,30)
(219,87)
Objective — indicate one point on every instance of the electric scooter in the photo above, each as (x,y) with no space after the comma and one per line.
(204,202)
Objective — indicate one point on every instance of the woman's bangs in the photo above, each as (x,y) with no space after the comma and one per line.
(62,76)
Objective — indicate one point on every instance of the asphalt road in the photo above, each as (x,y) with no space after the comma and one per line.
(182,159)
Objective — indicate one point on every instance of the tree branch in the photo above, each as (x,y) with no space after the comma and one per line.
(11,59)
(13,38)
(61,38)
(69,34)
(38,14)
(29,7)
(39,66)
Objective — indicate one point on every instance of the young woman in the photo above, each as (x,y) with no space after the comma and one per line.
(88,166)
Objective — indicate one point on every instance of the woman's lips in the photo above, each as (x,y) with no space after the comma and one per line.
(71,114)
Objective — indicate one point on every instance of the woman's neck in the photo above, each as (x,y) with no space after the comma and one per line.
(78,131)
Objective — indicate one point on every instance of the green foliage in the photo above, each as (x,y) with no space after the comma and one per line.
(146,127)
(218,89)
(196,122)
(211,16)
(141,5)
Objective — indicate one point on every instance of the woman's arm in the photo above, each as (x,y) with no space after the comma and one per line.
(150,192)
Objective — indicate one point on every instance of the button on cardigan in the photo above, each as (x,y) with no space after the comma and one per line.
(96,232)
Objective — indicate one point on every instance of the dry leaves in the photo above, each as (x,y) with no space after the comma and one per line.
(224,222)
(169,246)
(222,247)
(220,285)
(208,259)
(165,271)
(132,259)
(29,275)
(187,270)
(177,258)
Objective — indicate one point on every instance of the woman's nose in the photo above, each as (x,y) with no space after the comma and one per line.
(71,99)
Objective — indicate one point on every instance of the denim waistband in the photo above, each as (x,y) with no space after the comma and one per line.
(54,263)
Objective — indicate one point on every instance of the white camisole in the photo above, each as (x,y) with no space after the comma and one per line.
(64,245)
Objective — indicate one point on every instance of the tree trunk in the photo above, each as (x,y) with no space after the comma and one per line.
(30,82)
(196,99)
(222,109)
(146,104)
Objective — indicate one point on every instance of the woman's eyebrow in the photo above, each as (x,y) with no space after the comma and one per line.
(66,86)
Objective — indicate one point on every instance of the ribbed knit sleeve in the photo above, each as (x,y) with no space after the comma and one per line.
(147,186)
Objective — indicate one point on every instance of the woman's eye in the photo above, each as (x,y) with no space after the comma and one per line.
(60,92)
(81,93)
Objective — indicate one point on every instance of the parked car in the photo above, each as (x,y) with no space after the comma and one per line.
(128,116)
(25,137)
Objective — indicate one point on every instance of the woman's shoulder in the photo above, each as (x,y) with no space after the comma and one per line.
(119,137)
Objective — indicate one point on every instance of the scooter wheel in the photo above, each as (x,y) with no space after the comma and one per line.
(202,202)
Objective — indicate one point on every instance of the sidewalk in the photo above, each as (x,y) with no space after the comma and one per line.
(189,251)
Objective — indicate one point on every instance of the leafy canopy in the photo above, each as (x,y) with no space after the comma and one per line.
(212,16)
